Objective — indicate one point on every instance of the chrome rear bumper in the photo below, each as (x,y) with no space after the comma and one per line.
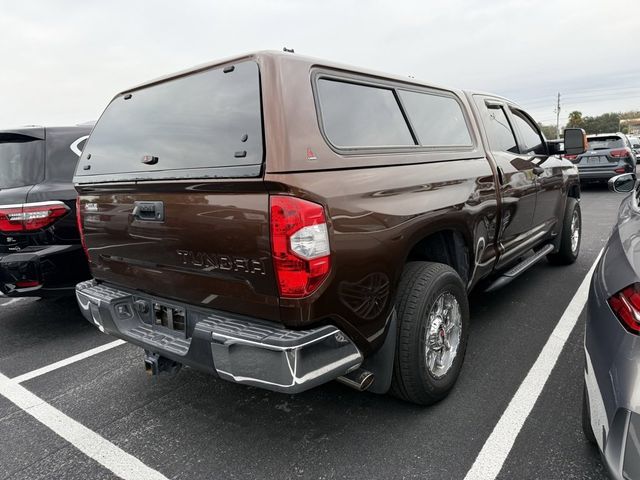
(239,349)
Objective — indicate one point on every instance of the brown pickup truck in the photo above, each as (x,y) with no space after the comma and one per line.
(282,221)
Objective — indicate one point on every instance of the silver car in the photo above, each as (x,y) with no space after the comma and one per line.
(611,409)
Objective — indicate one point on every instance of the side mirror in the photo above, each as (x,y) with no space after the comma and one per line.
(575,141)
(622,183)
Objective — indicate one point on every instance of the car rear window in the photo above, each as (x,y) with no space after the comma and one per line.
(205,120)
(21,161)
(437,119)
(604,143)
(360,116)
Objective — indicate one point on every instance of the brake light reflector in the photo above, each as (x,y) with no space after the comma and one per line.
(626,305)
(29,217)
(620,153)
(299,245)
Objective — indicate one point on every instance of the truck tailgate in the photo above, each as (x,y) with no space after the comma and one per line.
(209,247)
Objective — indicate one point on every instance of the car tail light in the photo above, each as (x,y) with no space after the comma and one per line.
(29,217)
(570,157)
(620,170)
(620,153)
(299,245)
(27,283)
(626,305)
(80,230)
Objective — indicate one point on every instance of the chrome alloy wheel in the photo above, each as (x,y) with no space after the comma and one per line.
(444,330)
(575,231)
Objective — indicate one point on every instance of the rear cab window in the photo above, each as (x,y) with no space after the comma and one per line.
(203,124)
(355,116)
(21,160)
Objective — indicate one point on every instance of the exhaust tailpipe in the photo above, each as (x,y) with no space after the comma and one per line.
(359,379)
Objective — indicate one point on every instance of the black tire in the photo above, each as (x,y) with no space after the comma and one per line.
(421,285)
(566,255)
(586,418)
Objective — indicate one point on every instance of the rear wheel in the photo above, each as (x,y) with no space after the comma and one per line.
(586,417)
(433,320)
(571,235)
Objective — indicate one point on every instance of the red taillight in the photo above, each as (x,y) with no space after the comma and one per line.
(620,153)
(29,217)
(626,305)
(80,231)
(570,157)
(27,283)
(299,245)
(619,170)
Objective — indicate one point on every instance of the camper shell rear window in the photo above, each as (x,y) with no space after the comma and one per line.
(204,124)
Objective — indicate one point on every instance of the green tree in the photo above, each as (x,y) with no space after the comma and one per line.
(605,123)
(550,131)
(575,120)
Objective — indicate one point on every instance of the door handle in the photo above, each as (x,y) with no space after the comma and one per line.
(538,170)
(148,211)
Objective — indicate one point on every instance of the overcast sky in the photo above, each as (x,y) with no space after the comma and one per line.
(62,61)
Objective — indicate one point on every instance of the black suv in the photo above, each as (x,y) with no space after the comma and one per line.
(40,249)
(607,155)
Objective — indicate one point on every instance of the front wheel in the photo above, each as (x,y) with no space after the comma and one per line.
(571,235)
(433,323)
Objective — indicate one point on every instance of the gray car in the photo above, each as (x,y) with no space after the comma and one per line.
(607,155)
(611,409)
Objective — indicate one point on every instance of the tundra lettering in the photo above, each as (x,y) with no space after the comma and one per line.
(221,262)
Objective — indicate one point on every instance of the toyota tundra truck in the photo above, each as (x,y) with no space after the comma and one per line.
(281,221)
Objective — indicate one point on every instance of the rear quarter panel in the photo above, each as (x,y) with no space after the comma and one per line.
(379,204)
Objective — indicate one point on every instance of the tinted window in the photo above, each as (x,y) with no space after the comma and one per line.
(604,143)
(437,120)
(531,139)
(361,116)
(21,161)
(207,119)
(499,130)
(61,159)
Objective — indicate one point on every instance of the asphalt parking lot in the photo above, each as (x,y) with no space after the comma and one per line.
(193,426)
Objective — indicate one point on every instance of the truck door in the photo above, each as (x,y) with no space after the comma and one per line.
(549,177)
(517,180)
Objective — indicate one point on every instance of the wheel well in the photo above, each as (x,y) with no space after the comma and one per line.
(448,247)
(574,191)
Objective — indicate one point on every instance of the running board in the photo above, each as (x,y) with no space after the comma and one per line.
(520,268)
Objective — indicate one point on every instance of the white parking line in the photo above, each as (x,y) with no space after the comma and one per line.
(108,455)
(489,461)
(67,361)
(12,300)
